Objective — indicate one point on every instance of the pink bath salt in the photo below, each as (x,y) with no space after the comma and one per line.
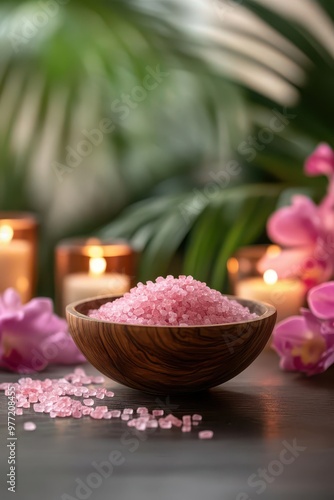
(77,414)
(19,411)
(186,419)
(110,394)
(38,408)
(127,411)
(102,409)
(165,424)
(98,380)
(142,410)
(107,415)
(87,411)
(205,435)
(88,402)
(141,427)
(98,415)
(197,417)
(29,426)
(186,428)
(152,424)
(125,417)
(116,413)
(173,302)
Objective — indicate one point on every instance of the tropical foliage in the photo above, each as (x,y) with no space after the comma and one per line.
(201,161)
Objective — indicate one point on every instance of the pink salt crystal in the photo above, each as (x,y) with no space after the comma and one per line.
(107,415)
(80,372)
(86,380)
(87,411)
(29,426)
(88,402)
(38,408)
(125,417)
(33,398)
(205,434)
(100,396)
(128,411)
(53,414)
(26,405)
(186,419)
(183,301)
(19,411)
(141,426)
(110,394)
(165,424)
(197,417)
(101,408)
(98,380)
(77,414)
(132,423)
(157,413)
(142,409)
(195,422)
(186,428)
(97,414)
(116,413)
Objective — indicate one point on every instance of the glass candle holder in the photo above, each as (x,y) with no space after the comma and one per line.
(18,253)
(91,267)
(287,295)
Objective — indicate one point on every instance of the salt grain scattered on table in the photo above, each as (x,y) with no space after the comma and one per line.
(205,434)
(173,301)
(29,426)
(57,398)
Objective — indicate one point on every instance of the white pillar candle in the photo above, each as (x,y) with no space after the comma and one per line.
(15,263)
(287,295)
(79,286)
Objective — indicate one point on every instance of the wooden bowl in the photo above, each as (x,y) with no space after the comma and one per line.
(162,359)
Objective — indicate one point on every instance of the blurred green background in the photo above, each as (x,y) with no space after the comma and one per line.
(179,125)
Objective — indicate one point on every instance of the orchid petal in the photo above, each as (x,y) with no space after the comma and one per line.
(321,300)
(295,225)
(321,161)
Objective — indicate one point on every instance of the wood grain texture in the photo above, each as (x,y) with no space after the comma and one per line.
(171,360)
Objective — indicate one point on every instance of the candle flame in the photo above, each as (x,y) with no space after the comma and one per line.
(97,266)
(270,277)
(6,234)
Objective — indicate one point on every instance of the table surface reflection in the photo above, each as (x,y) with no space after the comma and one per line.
(255,417)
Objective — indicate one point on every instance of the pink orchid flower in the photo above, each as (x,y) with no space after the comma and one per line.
(305,230)
(306,343)
(32,336)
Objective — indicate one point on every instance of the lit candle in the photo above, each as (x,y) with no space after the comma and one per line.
(15,263)
(79,286)
(287,295)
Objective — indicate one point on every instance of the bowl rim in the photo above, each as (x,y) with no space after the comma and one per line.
(71,310)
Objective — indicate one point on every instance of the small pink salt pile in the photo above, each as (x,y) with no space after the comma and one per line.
(59,398)
(172,301)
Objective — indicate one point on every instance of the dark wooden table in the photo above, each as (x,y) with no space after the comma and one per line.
(274,439)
